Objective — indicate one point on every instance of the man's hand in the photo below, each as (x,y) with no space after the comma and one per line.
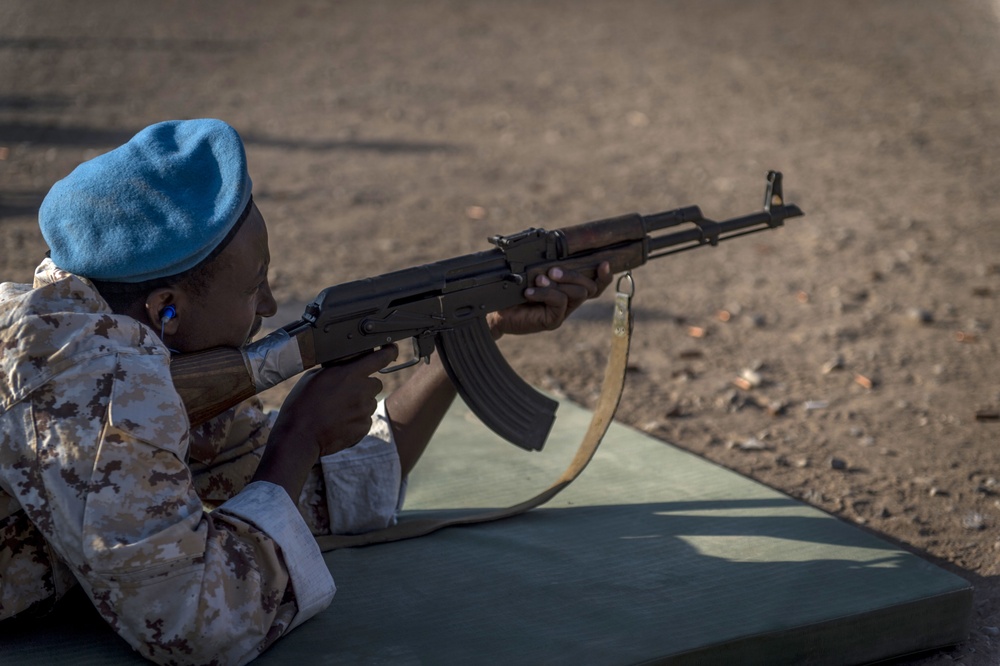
(329,410)
(553,298)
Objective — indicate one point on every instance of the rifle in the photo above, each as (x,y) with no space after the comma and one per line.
(443,306)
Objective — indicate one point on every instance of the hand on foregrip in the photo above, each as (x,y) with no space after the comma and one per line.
(332,407)
(551,300)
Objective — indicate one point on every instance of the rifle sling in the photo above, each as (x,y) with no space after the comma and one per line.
(611,392)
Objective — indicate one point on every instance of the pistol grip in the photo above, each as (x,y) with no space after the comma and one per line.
(503,401)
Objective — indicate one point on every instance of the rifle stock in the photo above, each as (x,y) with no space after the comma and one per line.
(211,381)
(443,305)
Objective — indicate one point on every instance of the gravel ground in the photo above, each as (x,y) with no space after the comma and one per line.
(848,359)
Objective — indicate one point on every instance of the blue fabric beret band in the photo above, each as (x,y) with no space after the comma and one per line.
(151,208)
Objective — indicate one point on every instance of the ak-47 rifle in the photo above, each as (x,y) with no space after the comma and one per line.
(443,305)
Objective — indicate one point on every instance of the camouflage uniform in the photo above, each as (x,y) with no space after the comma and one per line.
(102,484)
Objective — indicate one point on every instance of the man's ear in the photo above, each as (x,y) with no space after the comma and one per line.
(163,310)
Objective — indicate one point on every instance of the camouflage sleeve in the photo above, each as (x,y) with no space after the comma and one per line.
(178,583)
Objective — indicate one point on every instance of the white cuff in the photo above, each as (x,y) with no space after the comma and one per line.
(268,507)
(364,488)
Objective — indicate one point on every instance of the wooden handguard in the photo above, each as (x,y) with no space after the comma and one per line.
(603,234)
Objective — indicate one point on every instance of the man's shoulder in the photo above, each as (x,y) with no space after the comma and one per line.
(54,326)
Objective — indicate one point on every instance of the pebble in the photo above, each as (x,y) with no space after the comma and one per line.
(752,377)
(835,363)
(991,631)
(651,426)
(475,212)
(974,521)
(977,325)
(987,488)
(838,464)
(919,315)
(776,407)
(751,444)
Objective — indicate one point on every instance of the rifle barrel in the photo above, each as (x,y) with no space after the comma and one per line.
(710,232)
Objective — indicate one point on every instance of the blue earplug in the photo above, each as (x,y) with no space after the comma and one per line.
(166,314)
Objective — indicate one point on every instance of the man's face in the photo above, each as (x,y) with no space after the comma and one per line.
(229,312)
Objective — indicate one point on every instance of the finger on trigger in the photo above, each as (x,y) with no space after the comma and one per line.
(383,356)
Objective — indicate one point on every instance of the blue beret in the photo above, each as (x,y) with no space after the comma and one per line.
(151,208)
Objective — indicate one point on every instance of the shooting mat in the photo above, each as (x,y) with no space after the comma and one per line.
(652,555)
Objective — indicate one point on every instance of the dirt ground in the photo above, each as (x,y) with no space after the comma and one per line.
(383,135)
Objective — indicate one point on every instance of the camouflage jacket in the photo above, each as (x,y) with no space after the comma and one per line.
(102,484)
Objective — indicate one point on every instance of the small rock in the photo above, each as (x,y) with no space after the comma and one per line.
(974,521)
(552,385)
(637,119)
(991,631)
(838,464)
(937,492)
(752,377)
(751,444)
(835,363)
(676,412)
(816,404)
(776,407)
(651,426)
(739,382)
(813,496)
(475,212)
(919,316)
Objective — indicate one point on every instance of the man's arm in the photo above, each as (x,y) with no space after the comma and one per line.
(174,581)
(328,411)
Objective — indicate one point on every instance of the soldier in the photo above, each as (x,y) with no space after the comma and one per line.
(195,545)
